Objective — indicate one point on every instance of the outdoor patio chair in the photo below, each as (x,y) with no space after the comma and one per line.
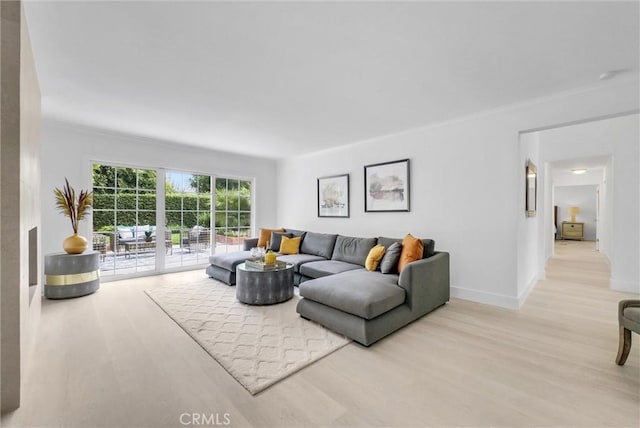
(168,243)
(100,244)
(197,239)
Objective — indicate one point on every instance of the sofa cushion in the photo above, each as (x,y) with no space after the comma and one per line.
(412,250)
(229,261)
(298,259)
(374,257)
(358,292)
(265,235)
(125,232)
(296,232)
(326,267)
(276,239)
(318,244)
(386,242)
(352,250)
(139,231)
(389,263)
(429,245)
(290,245)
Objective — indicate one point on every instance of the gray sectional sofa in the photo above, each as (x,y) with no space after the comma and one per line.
(339,293)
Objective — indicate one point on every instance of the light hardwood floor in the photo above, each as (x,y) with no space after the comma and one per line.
(114,359)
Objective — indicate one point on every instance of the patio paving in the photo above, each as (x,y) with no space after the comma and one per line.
(125,263)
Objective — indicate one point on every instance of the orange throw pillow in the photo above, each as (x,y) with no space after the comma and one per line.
(265,236)
(412,250)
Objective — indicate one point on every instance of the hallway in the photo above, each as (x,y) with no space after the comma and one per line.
(579,262)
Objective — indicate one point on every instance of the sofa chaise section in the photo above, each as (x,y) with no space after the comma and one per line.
(344,304)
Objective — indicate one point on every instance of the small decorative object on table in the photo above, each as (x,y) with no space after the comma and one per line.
(258,265)
(270,258)
(148,236)
(75,209)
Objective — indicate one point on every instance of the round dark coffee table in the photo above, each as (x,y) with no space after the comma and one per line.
(258,287)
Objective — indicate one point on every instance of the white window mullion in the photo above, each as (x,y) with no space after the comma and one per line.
(161,249)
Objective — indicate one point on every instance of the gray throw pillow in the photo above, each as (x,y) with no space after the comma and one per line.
(389,263)
(276,239)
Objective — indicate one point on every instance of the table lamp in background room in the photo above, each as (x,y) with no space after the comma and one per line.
(573,212)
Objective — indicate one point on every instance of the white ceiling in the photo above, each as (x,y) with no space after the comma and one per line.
(296,77)
(562,174)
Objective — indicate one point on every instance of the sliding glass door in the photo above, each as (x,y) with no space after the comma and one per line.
(130,204)
(124,219)
(188,218)
(232,214)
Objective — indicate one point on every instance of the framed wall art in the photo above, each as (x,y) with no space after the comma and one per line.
(386,186)
(333,196)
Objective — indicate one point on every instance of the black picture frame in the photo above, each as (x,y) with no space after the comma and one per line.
(333,196)
(387,187)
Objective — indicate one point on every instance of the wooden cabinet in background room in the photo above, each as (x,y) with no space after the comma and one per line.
(572,230)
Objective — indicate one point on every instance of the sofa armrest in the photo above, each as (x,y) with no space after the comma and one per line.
(426,282)
(250,243)
(628,303)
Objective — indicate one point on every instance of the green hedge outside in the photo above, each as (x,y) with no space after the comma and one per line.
(182,210)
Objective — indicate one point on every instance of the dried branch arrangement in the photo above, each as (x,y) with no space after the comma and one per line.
(66,202)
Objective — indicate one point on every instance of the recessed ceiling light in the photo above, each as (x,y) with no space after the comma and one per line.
(579,170)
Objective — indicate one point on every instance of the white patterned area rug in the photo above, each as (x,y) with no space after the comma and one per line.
(257,345)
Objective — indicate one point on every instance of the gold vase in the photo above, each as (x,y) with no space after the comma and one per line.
(75,244)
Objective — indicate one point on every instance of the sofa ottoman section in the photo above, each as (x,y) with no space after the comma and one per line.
(223,266)
(361,293)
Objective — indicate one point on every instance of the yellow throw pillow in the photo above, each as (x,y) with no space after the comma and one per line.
(412,250)
(290,245)
(374,257)
(265,236)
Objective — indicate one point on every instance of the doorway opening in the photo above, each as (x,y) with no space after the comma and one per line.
(579,199)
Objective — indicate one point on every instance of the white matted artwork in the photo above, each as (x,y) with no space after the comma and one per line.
(333,196)
(386,186)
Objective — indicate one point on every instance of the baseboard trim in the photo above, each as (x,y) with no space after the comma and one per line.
(624,285)
(522,297)
(485,297)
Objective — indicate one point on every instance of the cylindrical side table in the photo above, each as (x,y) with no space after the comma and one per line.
(71,275)
(256,287)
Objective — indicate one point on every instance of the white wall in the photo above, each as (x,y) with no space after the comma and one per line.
(606,210)
(583,197)
(618,138)
(528,226)
(68,151)
(467,184)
